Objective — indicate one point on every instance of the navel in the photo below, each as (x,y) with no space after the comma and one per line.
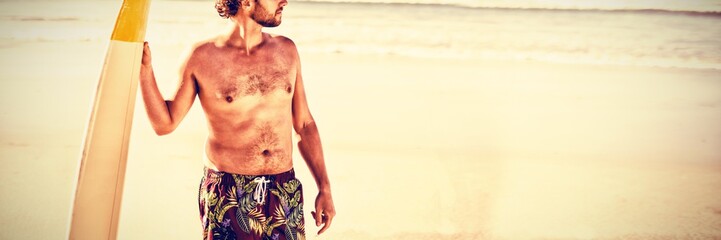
(266,153)
(229,99)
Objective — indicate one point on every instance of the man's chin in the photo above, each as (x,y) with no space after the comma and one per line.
(270,25)
(278,20)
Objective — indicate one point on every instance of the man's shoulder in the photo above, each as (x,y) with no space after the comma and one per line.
(199,52)
(281,40)
(201,48)
(206,45)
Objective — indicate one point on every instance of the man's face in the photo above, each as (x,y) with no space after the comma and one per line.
(268,13)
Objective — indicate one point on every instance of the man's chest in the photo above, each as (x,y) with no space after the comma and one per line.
(231,81)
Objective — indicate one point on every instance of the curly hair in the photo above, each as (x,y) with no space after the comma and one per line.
(227,8)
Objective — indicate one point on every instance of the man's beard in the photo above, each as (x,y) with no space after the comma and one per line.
(261,16)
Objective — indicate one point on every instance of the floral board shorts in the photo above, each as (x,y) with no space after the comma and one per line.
(234,206)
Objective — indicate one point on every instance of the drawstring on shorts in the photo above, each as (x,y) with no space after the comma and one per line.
(261,189)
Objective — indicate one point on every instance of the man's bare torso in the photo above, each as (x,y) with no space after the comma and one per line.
(247,101)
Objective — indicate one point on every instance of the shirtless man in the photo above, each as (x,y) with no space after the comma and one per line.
(250,87)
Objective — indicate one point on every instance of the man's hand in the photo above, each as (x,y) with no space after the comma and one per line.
(324,211)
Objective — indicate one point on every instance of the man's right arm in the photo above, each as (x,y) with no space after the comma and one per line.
(165,115)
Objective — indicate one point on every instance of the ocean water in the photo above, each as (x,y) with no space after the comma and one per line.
(625,37)
(684,34)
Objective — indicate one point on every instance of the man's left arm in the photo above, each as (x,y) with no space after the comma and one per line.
(312,152)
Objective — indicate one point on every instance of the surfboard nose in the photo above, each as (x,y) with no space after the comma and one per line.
(131,23)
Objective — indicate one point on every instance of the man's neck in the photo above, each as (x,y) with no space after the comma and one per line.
(246,35)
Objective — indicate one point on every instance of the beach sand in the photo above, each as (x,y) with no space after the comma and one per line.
(416,148)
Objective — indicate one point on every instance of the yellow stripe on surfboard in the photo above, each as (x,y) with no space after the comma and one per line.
(99,189)
(132,20)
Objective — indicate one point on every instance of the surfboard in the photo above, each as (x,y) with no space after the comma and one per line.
(99,188)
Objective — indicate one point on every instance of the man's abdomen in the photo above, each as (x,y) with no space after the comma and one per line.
(263,148)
